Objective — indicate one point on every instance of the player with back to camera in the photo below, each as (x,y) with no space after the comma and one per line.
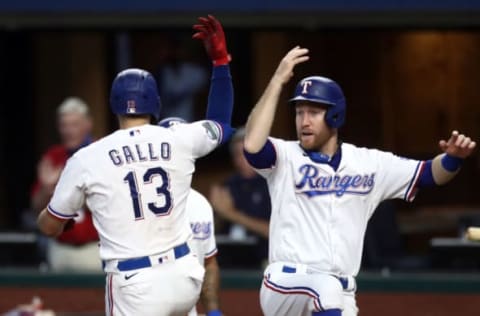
(323,192)
(136,182)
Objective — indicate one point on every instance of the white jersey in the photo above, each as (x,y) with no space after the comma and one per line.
(136,182)
(319,215)
(200,216)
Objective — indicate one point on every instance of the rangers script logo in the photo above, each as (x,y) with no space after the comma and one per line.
(201,230)
(311,184)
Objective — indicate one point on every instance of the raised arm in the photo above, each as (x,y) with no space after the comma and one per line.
(220,99)
(260,121)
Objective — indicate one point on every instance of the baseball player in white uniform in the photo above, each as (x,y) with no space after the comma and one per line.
(323,192)
(136,182)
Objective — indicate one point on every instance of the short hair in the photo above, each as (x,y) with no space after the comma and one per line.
(238,136)
(73,105)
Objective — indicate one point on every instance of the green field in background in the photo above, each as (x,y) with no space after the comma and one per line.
(239,279)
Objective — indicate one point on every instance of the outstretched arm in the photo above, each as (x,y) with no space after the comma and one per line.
(261,118)
(445,166)
(220,98)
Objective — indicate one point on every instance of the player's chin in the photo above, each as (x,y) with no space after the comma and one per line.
(307,143)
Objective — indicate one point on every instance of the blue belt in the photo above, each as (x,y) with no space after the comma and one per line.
(144,262)
(343,281)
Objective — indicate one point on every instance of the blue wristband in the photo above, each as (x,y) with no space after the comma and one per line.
(451,163)
(214,312)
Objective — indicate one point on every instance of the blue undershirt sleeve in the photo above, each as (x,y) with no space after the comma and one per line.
(426,177)
(220,97)
(227,132)
(264,159)
(449,163)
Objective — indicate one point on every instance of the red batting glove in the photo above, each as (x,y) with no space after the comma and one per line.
(210,31)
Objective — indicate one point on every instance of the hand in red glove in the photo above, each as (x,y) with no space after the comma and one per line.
(210,31)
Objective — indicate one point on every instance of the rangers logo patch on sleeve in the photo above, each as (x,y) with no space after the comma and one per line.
(212,130)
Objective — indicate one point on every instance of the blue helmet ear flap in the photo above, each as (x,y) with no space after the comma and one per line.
(325,91)
(335,116)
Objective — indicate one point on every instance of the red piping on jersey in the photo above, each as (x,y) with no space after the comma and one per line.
(59,215)
(211,253)
(315,297)
(413,189)
(110,295)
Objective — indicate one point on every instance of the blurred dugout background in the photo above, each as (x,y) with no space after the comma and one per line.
(410,73)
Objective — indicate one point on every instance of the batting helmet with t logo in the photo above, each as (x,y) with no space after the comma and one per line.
(134,92)
(324,91)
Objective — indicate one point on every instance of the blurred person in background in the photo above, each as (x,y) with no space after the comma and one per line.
(179,81)
(243,200)
(77,247)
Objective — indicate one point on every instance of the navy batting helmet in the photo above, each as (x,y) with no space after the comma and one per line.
(134,92)
(325,91)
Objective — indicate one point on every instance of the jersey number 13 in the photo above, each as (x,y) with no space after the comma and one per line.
(162,190)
